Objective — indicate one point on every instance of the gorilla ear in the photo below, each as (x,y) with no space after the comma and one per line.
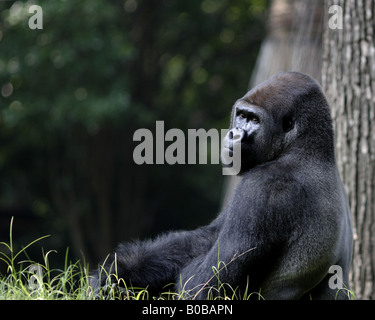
(288,123)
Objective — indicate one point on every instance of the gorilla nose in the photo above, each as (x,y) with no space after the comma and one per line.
(237,135)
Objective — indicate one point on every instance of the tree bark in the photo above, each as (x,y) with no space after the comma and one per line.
(348,78)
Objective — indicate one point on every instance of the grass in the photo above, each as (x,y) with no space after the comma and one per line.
(30,280)
(27,279)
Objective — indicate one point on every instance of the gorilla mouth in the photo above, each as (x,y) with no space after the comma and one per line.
(230,150)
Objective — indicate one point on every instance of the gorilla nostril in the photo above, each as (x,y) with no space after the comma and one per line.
(238,134)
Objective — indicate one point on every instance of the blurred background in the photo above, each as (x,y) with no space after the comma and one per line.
(73,94)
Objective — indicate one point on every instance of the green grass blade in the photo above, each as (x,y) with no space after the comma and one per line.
(31,243)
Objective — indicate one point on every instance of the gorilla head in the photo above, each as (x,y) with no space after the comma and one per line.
(288,111)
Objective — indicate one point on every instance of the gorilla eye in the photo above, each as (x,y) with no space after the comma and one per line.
(288,124)
(254,119)
(248,116)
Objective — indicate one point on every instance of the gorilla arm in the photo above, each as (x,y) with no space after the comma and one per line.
(153,264)
(223,264)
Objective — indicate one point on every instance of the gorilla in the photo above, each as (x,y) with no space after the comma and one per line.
(287,223)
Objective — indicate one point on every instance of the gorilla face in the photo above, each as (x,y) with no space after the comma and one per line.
(249,122)
(258,135)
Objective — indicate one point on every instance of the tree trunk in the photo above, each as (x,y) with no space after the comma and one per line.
(348,78)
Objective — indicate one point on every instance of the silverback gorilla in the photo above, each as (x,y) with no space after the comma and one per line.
(287,223)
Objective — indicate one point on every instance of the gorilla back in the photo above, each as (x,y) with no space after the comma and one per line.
(288,221)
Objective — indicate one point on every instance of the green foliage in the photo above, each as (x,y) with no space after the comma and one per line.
(56,73)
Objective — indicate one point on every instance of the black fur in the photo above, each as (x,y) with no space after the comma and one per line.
(288,220)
